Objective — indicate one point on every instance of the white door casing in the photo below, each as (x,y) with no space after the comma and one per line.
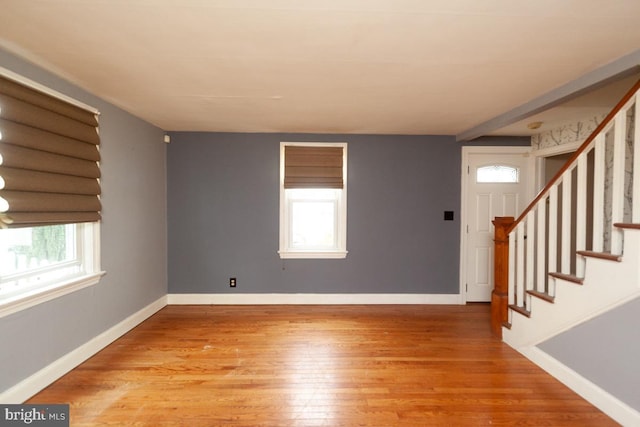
(481,203)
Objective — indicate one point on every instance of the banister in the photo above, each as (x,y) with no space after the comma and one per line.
(575,155)
(500,293)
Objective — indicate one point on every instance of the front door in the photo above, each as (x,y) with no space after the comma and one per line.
(496,185)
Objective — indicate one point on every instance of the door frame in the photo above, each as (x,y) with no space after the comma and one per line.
(468,151)
(539,157)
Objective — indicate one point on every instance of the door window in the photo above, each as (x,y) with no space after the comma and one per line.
(497,174)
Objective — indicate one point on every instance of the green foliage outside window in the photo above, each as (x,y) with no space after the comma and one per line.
(48,243)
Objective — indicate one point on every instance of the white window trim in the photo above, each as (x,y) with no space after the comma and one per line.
(313,254)
(288,253)
(91,260)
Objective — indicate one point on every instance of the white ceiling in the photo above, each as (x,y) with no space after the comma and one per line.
(322,66)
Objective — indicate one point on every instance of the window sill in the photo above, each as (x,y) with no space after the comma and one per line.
(313,254)
(13,304)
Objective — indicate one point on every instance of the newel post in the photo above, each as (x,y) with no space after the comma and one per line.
(500,294)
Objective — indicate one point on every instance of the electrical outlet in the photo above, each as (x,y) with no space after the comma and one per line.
(232,282)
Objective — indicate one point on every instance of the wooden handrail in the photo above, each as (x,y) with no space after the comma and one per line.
(575,155)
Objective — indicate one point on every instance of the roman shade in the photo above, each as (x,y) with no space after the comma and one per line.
(49,171)
(313,167)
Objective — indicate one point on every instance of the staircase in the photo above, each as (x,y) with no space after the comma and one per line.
(573,253)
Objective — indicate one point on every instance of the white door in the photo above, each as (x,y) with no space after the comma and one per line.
(496,185)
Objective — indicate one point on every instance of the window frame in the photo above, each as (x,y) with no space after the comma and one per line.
(286,251)
(89,257)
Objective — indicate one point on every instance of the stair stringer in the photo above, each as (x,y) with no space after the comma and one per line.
(607,285)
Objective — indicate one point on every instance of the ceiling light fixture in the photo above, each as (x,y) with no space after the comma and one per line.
(534,125)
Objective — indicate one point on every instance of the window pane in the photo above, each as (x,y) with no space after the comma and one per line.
(497,174)
(313,224)
(31,256)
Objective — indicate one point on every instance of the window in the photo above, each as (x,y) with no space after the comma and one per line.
(49,194)
(313,200)
(497,174)
(37,262)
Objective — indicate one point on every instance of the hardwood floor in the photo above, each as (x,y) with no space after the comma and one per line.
(316,366)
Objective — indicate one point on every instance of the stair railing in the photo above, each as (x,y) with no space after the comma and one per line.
(575,215)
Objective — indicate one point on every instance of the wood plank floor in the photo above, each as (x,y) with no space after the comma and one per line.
(316,366)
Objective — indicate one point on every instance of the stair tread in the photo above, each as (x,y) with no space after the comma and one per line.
(506,325)
(601,255)
(542,295)
(568,277)
(520,310)
(630,225)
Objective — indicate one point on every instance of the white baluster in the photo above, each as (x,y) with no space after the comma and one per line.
(581,212)
(598,192)
(512,268)
(565,245)
(617,190)
(541,245)
(531,239)
(635,209)
(520,265)
(552,244)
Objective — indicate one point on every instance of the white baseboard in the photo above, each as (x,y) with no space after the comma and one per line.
(607,403)
(309,299)
(47,375)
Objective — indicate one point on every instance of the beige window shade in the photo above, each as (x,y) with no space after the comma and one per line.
(313,167)
(49,172)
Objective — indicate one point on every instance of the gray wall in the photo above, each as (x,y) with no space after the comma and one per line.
(223,216)
(133,243)
(605,350)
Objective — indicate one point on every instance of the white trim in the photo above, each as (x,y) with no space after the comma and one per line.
(47,375)
(46,90)
(311,299)
(540,155)
(607,403)
(558,149)
(313,254)
(466,152)
(40,295)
